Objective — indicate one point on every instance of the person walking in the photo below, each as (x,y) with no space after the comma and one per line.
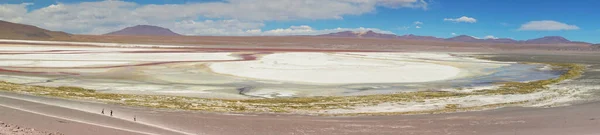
(134,118)
(102,110)
(111,113)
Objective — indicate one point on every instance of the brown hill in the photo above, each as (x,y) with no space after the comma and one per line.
(416,37)
(10,30)
(548,40)
(501,40)
(364,34)
(340,34)
(144,30)
(464,38)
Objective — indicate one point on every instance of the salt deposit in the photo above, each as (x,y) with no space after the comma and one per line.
(124,56)
(37,56)
(339,68)
(59,63)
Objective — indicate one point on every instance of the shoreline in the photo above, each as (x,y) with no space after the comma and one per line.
(575,119)
(306,105)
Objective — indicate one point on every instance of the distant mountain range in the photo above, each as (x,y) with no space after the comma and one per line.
(144,30)
(460,38)
(415,37)
(10,30)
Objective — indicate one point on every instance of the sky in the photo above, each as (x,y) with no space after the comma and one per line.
(517,19)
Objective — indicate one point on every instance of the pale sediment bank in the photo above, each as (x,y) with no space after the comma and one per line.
(105,59)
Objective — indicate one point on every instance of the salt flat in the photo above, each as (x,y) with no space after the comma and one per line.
(245,74)
(78,56)
(153,57)
(40,48)
(230,75)
(37,63)
(339,68)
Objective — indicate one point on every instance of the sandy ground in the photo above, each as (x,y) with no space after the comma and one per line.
(582,119)
(11,129)
(69,121)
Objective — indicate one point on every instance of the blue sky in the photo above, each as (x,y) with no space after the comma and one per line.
(498,18)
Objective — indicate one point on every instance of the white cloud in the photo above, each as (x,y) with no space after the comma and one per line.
(403,28)
(418,23)
(235,17)
(399,3)
(546,25)
(490,37)
(292,30)
(13,12)
(462,19)
(86,17)
(215,27)
(453,34)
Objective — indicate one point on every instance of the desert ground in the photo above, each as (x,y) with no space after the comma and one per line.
(566,107)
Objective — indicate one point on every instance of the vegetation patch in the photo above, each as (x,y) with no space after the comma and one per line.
(571,71)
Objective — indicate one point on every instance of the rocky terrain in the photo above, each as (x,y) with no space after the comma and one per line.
(10,129)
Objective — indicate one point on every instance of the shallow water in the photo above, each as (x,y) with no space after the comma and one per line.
(203,84)
(512,73)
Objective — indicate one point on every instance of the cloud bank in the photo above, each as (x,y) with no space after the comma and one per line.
(464,19)
(546,25)
(490,37)
(229,17)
